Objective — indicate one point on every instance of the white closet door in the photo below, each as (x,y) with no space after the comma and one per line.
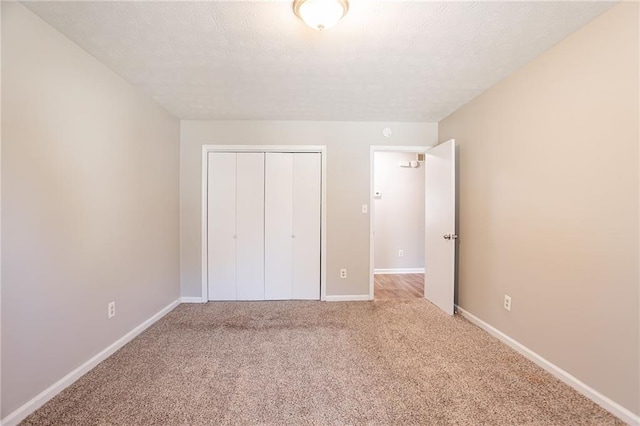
(278,226)
(306,225)
(250,225)
(221,262)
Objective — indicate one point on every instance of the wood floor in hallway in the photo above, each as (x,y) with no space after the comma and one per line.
(399,286)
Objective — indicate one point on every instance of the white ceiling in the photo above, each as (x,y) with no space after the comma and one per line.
(385,61)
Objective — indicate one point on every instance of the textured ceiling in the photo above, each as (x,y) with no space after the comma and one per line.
(385,61)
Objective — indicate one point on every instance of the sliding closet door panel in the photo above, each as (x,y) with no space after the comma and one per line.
(306,225)
(221,262)
(250,225)
(278,225)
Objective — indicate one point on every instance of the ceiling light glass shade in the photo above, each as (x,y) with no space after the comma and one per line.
(320,14)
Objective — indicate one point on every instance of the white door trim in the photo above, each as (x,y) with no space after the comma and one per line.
(373,150)
(206,149)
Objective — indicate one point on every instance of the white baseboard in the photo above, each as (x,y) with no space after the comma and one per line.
(399,271)
(21,413)
(606,403)
(192,300)
(348,298)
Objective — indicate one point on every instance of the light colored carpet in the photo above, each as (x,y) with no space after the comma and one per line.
(312,363)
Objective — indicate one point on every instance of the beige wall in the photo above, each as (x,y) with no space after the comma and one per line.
(348,152)
(90,206)
(399,213)
(549,205)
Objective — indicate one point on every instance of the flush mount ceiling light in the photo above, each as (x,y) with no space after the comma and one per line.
(320,14)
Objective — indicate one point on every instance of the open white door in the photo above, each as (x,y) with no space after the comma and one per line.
(440,225)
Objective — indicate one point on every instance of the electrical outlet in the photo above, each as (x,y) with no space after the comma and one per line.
(343,273)
(507,302)
(400,253)
(111,309)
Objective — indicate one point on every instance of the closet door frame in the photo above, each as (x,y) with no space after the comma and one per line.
(206,149)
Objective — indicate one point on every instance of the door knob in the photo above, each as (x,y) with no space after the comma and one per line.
(450,237)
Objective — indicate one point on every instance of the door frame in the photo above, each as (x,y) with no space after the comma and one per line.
(206,149)
(373,150)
